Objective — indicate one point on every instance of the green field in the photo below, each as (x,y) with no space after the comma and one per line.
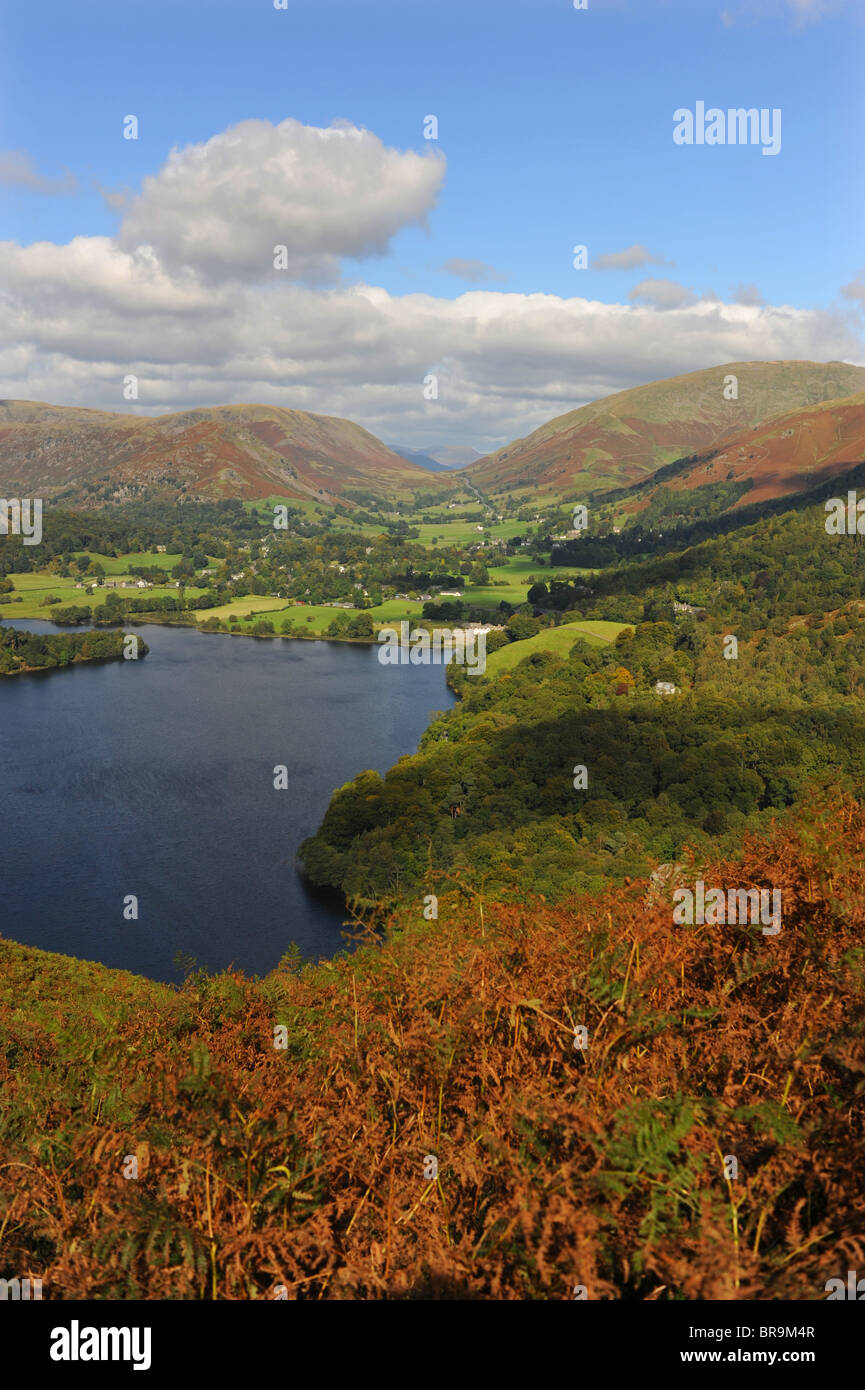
(491,596)
(512,588)
(36,587)
(519,575)
(557,640)
(119,564)
(523,567)
(252,603)
(464,532)
(312,511)
(509,583)
(312,619)
(28,583)
(394,609)
(443,509)
(317,617)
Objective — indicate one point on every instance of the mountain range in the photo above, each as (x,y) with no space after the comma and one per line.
(439,460)
(791,453)
(247,451)
(622,439)
(763,429)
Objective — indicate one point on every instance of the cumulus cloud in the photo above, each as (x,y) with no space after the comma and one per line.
(663,294)
(855,291)
(17,171)
(746,294)
(79,317)
(634,258)
(177,298)
(117,199)
(221,207)
(474,272)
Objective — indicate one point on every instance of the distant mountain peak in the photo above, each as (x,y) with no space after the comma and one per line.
(439,458)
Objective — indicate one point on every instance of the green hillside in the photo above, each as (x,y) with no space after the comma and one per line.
(623,438)
(557,640)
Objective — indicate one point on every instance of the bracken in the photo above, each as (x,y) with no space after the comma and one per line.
(557,1166)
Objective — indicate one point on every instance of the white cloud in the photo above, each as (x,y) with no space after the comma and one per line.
(746,294)
(221,207)
(117,199)
(79,317)
(180,304)
(634,258)
(663,294)
(474,272)
(855,291)
(17,171)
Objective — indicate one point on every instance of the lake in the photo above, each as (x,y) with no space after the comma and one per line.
(156,778)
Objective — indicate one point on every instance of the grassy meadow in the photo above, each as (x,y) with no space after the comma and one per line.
(557,640)
(34,589)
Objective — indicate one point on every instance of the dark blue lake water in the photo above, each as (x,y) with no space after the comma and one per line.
(155,778)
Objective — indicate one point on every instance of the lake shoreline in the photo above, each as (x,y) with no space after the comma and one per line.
(164,787)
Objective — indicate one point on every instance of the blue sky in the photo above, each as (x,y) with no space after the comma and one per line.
(556,128)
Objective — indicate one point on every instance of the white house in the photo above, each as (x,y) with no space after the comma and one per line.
(666,688)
